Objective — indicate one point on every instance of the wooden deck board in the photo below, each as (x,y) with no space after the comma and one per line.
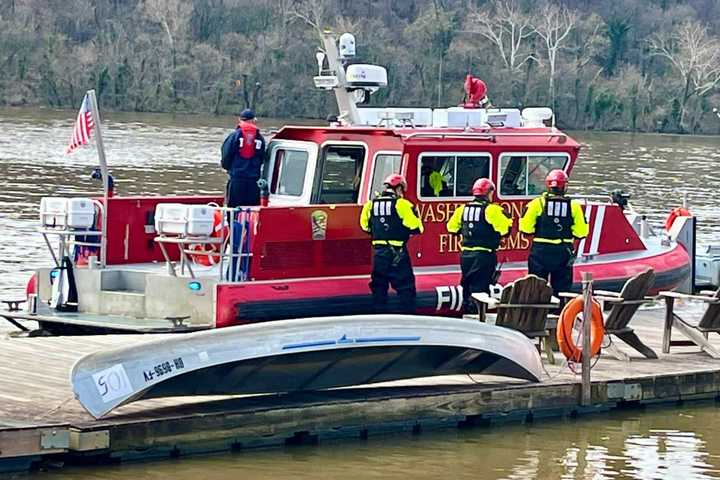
(35,393)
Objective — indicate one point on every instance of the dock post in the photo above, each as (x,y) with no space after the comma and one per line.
(587,320)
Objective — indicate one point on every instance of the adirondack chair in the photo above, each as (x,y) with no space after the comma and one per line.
(524,305)
(697,333)
(624,306)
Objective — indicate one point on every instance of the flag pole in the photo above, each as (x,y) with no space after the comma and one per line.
(104,172)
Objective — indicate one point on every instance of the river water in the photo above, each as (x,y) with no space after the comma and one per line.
(162,154)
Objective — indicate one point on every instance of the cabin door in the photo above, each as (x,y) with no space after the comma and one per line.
(339,173)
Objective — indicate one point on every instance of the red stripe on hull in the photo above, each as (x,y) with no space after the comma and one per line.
(437,292)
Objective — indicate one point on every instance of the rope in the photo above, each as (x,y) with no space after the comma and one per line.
(573,365)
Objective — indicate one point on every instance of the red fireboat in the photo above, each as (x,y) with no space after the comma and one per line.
(304,254)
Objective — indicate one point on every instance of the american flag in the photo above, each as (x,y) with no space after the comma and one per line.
(83,126)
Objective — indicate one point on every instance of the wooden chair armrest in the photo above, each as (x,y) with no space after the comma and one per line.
(603,298)
(689,297)
(606,293)
(486,299)
(547,306)
(622,301)
(568,294)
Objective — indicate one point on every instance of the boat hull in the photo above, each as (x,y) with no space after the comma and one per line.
(438,290)
(301,355)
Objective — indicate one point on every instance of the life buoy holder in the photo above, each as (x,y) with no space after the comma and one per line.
(565,340)
(208,254)
(675,213)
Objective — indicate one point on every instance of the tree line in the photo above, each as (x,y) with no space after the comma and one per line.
(639,65)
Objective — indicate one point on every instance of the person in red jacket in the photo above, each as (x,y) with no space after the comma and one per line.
(243,152)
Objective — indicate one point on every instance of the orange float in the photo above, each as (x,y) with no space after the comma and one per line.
(564,335)
(208,254)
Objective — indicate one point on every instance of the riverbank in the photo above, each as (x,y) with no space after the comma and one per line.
(48,425)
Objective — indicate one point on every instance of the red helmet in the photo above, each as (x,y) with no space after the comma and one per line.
(556,180)
(395,179)
(482,187)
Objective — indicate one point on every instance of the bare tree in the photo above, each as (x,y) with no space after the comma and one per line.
(508,29)
(553,28)
(314,13)
(173,17)
(433,32)
(587,41)
(695,55)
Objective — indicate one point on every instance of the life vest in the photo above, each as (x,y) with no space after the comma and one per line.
(385,223)
(476,231)
(247,140)
(555,222)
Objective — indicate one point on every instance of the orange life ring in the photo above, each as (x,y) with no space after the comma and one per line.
(209,254)
(676,212)
(564,334)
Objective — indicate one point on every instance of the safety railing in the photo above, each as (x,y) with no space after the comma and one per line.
(68,239)
(230,249)
(240,252)
(485,133)
(646,224)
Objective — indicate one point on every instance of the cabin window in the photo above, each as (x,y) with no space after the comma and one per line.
(451,175)
(385,164)
(341,174)
(524,174)
(289,172)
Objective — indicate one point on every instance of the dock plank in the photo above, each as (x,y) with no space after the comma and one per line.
(35,394)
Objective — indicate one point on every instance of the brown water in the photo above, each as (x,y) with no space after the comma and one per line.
(161,154)
(668,443)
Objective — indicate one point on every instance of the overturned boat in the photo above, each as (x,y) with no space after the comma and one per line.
(157,264)
(301,355)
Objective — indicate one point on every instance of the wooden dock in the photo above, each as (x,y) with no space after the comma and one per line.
(41,421)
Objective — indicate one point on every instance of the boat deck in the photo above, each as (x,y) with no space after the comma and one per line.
(40,418)
(114,323)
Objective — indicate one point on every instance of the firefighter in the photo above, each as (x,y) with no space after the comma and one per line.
(391,219)
(482,224)
(555,221)
(242,156)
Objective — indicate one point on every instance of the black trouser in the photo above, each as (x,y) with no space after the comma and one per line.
(477,269)
(392,267)
(553,261)
(242,192)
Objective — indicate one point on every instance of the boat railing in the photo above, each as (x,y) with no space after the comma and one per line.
(237,254)
(68,238)
(645,224)
(592,198)
(485,134)
(230,248)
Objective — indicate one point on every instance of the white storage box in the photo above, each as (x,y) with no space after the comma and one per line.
(200,220)
(458,117)
(504,117)
(53,211)
(171,218)
(80,213)
(180,219)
